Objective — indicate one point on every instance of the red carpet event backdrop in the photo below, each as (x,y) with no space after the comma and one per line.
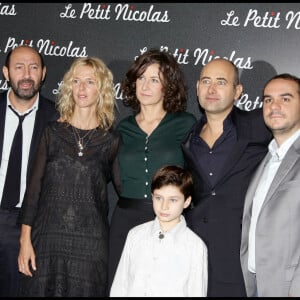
(262,39)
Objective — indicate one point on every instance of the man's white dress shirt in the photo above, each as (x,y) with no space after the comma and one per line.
(11,124)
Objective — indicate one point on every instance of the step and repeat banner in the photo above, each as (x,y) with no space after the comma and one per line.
(262,39)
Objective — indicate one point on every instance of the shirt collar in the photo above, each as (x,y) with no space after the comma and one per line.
(227,123)
(174,232)
(279,152)
(34,107)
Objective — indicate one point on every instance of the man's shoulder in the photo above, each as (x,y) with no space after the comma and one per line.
(248,114)
(3,95)
(46,101)
(252,118)
(251,125)
(47,105)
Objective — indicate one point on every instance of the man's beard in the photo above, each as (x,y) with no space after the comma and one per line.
(25,94)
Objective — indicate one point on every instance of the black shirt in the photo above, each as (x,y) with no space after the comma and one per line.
(211,160)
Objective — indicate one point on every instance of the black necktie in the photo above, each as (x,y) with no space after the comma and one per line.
(11,190)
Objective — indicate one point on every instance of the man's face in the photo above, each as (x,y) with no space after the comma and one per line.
(25,73)
(215,88)
(281,107)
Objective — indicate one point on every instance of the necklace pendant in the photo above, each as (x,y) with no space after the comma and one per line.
(79,141)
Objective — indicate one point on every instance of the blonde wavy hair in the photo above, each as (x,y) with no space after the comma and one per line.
(104,81)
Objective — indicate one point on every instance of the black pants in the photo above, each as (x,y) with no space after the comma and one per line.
(127,214)
(9,251)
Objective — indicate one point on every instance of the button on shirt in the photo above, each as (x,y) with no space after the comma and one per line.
(175,265)
(270,170)
(11,124)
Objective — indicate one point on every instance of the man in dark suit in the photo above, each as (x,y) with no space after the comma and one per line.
(25,72)
(222,151)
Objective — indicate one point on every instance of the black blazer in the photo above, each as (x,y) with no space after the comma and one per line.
(46,112)
(216,213)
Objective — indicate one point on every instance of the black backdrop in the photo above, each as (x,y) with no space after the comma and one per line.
(262,39)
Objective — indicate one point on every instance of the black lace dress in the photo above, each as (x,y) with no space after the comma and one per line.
(66,205)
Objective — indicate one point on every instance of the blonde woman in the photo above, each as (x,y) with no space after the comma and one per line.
(64,235)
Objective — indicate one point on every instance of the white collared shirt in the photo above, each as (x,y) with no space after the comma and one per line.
(175,265)
(270,169)
(11,124)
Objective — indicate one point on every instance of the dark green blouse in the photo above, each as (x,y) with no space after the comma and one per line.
(141,155)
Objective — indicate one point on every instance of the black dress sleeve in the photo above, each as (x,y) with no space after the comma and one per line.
(32,194)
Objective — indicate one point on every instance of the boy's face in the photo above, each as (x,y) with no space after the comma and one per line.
(168,204)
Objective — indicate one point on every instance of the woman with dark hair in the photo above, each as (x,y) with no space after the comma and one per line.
(150,138)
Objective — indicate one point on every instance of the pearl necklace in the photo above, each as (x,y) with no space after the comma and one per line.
(80,140)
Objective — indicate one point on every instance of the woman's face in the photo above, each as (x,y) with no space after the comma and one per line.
(84,87)
(149,88)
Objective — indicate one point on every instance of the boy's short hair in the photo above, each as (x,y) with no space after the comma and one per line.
(173,175)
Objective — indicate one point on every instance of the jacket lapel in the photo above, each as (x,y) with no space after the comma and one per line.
(243,138)
(2,121)
(232,159)
(287,164)
(254,183)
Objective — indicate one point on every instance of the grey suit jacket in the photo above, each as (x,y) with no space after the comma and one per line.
(277,240)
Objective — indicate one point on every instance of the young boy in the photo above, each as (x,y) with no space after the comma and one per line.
(163,257)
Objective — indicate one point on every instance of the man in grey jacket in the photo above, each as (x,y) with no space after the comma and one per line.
(270,246)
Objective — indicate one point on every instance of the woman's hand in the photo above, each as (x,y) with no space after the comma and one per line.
(26,258)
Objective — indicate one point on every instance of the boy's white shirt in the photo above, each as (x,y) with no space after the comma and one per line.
(173,266)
